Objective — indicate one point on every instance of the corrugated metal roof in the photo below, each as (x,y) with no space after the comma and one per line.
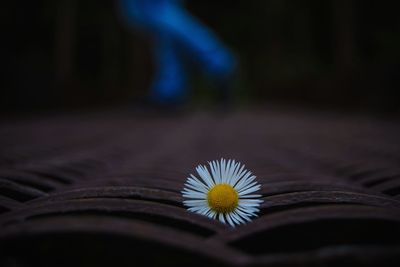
(104,188)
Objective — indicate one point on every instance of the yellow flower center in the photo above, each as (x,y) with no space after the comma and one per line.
(223,198)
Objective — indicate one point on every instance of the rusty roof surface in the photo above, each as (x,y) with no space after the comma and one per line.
(103,188)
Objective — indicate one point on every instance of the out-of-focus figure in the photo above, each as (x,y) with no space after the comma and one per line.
(178,39)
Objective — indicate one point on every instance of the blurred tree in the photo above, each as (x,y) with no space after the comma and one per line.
(65,38)
(311,52)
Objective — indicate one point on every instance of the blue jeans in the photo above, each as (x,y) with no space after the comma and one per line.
(177,35)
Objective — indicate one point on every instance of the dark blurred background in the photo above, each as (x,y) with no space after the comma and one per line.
(341,54)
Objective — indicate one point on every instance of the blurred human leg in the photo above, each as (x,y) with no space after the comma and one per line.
(174,29)
(169,83)
(197,40)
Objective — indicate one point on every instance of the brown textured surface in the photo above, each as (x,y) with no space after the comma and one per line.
(104,188)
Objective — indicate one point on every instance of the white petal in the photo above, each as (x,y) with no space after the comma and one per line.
(213,167)
(248,211)
(199,209)
(221,217)
(232,171)
(194,195)
(245,181)
(189,187)
(196,209)
(257,202)
(238,218)
(249,206)
(207,213)
(237,175)
(195,181)
(226,171)
(249,197)
(218,170)
(249,190)
(233,217)
(223,171)
(204,211)
(214,214)
(242,179)
(249,185)
(253,210)
(228,218)
(210,213)
(205,175)
(243,215)
(195,202)
(197,185)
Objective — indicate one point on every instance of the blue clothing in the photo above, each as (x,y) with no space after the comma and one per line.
(176,35)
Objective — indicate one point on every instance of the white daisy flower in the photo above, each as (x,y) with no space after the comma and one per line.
(225,192)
